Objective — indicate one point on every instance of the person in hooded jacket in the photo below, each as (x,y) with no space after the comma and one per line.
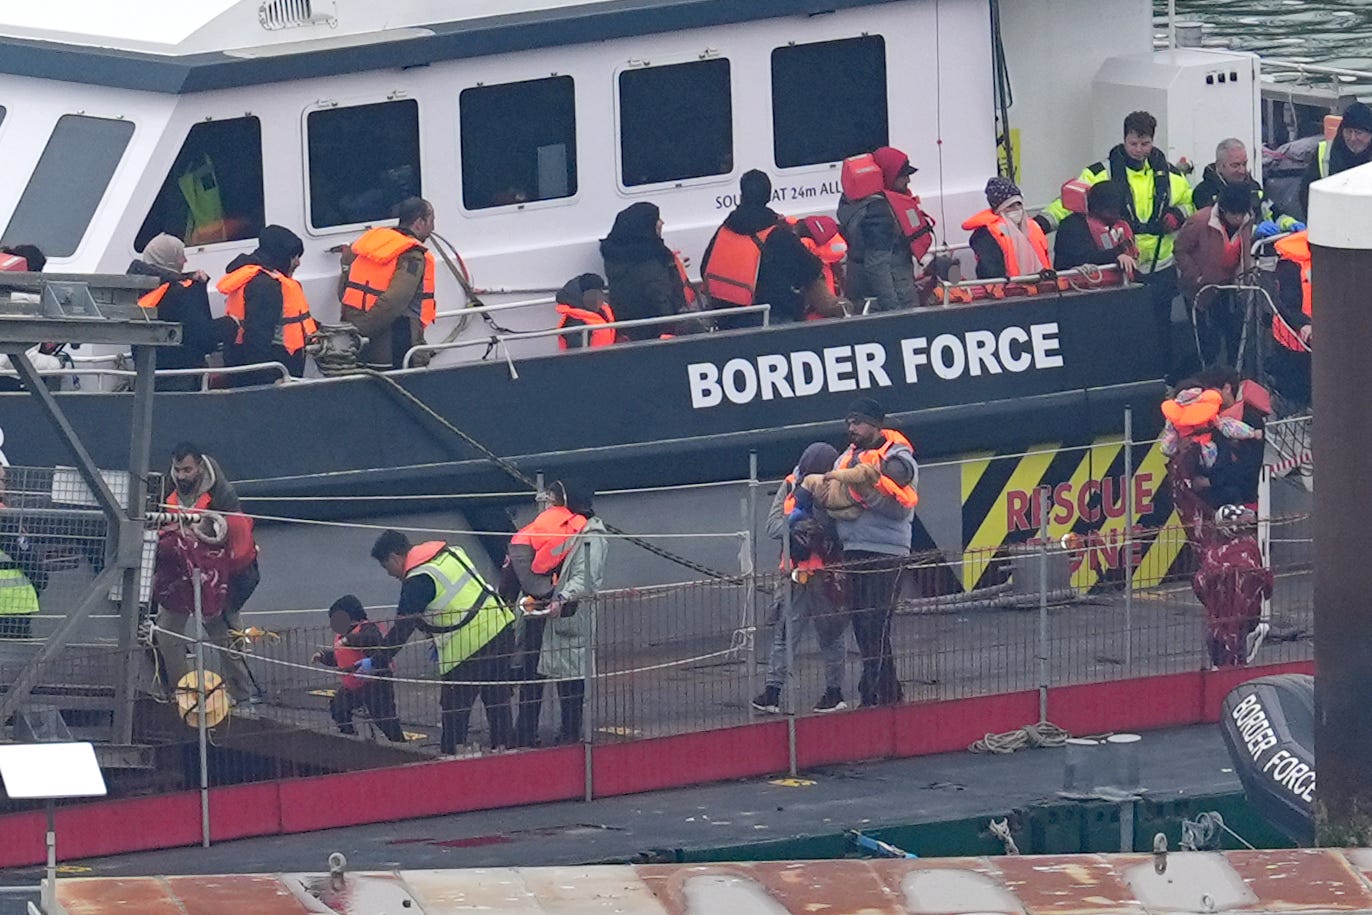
(881,264)
(1231,167)
(1006,242)
(642,271)
(1351,147)
(266,332)
(756,243)
(182,298)
(1099,236)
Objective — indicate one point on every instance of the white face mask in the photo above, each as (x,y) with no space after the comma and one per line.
(1014,213)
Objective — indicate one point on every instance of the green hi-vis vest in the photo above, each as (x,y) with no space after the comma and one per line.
(205,207)
(17,595)
(461,600)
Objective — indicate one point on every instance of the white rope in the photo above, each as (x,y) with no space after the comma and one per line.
(1203,833)
(1043,734)
(451,531)
(736,644)
(523,493)
(1001,830)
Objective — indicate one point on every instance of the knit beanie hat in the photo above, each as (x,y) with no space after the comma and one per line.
(999,190)
(866,410)
(1357,115)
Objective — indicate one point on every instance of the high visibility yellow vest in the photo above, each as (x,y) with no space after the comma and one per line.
(17,594)
(205,216)
(461,597)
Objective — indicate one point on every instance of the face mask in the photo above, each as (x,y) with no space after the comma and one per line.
(1015,214)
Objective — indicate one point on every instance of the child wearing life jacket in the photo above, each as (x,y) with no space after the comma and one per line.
(365,669)
(1196,414)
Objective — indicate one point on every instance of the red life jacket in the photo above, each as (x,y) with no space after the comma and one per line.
(1295,248)
(994,223)
(731,273)
(905,495)
(1107,237)
(548,535)
(346,657)
(575,317)
(240,547)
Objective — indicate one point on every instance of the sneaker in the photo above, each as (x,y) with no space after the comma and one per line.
(1255,640)
(769,701)
(831,701)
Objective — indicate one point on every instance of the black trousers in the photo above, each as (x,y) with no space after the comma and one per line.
(1219,328)
(484,675)
(530,701)
(571,700)
(378,697)
(1162,288)
(874,587)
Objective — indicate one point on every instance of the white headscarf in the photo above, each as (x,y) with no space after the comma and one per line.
(166,251)
(1025,253)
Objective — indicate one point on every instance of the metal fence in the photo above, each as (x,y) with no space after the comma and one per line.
(1059,603)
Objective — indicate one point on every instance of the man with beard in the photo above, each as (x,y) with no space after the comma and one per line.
(196,483)
(1351,147)
(876,542)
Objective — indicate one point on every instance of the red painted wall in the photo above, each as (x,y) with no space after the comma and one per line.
(512,780)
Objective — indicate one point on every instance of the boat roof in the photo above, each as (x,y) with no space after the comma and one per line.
(172,46)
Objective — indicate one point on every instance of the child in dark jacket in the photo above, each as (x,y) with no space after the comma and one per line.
(358,655)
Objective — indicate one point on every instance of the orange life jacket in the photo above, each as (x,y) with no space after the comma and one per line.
(1195,420)
(994,223)
(686,286)
(788,505)
(830,254)
(548,535)
(905,495)
(571,315)
(296,321)
(154,298)
(916,226)
(377,252)
(731,274)
(1295,248)
(346,657)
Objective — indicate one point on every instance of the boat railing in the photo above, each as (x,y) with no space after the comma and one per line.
(493,309)
(501,341)
(203,374)
(1080,279)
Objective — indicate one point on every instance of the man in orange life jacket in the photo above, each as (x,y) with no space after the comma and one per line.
(581,302)
(877,541)
(1293,333)
(1006,242)
(366,670)
(535,558)
(1212,250)
(883,230)
(387,286)
(755,258)
(197,483)
(815,595)
(269,305)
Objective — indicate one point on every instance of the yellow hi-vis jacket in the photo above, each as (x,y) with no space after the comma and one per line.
(465,613)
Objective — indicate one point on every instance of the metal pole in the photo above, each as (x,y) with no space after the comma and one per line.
(1127,826)
(1043,493)
(590,700)
(750,574)
(1171,24)
(140,449)
(1128,538)
(787,604)
(202,711)
(48,895)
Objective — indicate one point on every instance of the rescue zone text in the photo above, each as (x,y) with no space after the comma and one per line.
(804,373)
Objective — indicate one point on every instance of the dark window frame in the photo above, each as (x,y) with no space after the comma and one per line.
(467,157)
(622,164)
(311,226)
(801,100)
(39,196)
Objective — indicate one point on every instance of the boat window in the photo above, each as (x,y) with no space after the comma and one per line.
(213,192)
(66,186)
(518,142)
(828,100)
(675,122)
(364,160)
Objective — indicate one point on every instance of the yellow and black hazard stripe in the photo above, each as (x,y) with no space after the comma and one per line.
(999,510)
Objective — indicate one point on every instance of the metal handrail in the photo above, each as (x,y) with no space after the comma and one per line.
(168,373)
(1030,278)
(490,309)
(503,339)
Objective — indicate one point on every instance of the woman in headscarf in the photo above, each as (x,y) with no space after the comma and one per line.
(270,305)
(642,271)
(182,298)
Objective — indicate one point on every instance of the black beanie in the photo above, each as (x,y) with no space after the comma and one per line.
(755,189)
(867,410)
(1357,115)
(277,245)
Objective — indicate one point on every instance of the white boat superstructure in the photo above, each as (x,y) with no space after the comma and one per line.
(528,124)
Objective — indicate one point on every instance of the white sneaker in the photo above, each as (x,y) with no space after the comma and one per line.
(1255,640)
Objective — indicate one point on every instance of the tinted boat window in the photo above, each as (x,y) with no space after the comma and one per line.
(518,142)
(675,122)
(364,160)
(67,184)
(213,192)
(828,100)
